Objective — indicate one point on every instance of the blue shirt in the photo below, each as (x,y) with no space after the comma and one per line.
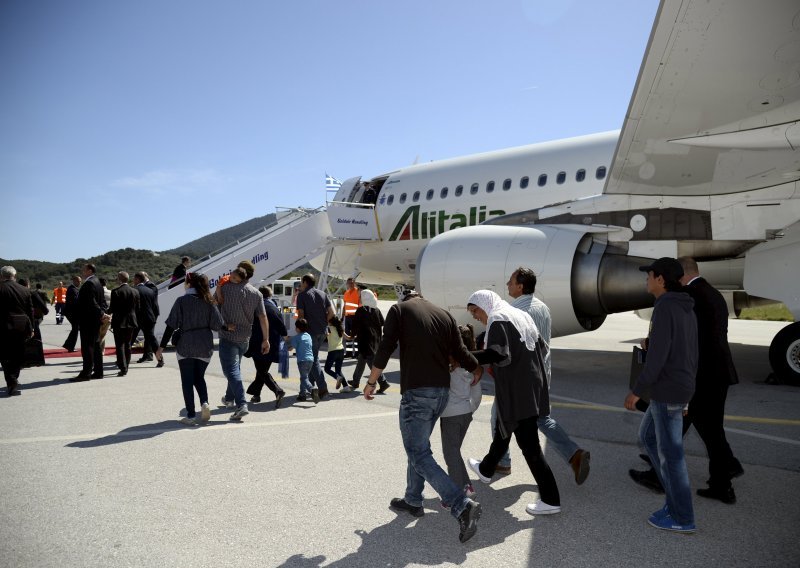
(302,344)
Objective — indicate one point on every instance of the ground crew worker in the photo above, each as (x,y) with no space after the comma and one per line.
(59,300)
(352,301)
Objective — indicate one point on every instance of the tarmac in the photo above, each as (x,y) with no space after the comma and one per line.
(101,473)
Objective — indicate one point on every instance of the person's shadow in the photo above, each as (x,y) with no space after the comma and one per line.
(433,539)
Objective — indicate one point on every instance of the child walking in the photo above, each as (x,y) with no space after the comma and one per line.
(455,420)
(301,343)
(333,362)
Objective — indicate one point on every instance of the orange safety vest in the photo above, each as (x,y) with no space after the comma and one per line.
(59,295)
(352,299)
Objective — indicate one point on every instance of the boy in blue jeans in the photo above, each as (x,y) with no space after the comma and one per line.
(302,344)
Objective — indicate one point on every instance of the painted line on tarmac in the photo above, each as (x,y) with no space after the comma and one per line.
(180,428)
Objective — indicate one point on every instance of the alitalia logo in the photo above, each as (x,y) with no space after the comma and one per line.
(415,225)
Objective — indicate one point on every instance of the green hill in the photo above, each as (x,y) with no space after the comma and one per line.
(159,265)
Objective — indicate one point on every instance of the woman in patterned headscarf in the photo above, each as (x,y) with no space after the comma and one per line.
(516,353)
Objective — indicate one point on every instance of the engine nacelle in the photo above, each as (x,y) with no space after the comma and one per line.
(580,277)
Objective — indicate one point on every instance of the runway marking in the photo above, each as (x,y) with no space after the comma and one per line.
(180,427)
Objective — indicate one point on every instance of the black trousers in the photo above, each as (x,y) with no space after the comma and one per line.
(527,434)
(263,377)
(91,352)
(72,338)
(122,343)
(12,356)
(706,413)
(150,341)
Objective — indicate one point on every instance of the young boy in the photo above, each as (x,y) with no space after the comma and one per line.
(305,358)
(237,276)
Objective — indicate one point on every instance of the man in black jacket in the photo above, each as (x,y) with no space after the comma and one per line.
(715,373)
(147,315)
(71,313)
(16,325)
(123,308)
(91,312)
(428,337)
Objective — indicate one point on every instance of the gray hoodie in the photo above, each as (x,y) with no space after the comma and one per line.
(671,364)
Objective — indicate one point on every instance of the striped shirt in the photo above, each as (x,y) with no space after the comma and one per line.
(243,304)
(540,313)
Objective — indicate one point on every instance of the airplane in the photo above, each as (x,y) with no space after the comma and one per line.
(706,164)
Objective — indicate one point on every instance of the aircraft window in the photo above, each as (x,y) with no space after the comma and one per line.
(600,173)
(561,177)
(390,200)
(459,190)
(523,183)
(429,195)
(507,184)
(443,193)
(542,180)
(277,289)
(402,198)
(580,175)
(490,187)
(415,197)
(473,188)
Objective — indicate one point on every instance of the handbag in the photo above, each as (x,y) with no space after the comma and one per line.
(638,359)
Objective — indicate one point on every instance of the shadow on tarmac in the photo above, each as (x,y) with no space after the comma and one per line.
(433,539)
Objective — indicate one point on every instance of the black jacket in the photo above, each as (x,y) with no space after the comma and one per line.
(15,307)
(123,308)
(91,303)
(148,305)
(71,303)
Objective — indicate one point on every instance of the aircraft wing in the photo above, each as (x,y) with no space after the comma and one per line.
(716,107)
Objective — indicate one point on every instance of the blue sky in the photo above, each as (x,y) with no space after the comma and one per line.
(148,124)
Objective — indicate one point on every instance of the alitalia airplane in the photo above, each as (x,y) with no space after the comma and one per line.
(706,164)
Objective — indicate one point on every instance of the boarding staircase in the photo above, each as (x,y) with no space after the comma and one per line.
(298,236)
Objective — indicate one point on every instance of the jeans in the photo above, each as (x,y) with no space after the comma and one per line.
(555,434)
(661,436)
(333,363)
(193,376)
(420,408)
(305,369)
(316,375)
(230,357)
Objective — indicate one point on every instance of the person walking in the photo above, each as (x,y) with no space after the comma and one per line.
(352,301)
(123,308)
(59,300)
(428,337)
(147,316)
(195,317)
(516,352)
(314,306)
(521,287)
(92,309)
(669,375)
(16,315)
(368,328)
(71,313)
(263,361)
(335,357)
(243,305)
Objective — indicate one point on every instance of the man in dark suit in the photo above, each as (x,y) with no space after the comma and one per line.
(91,312)
(16,325)
(71,313)
(715,373)
(123,308)
(147,315)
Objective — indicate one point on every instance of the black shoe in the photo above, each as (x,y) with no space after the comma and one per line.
(468,520)
(354,384)
(302,398)
(401,504)
(279,398)
(97,376)
(145,360)
(255,398)
(735,469)
(13,389)
(647,479)
(122,373)
(725,495)
(80,378)
(323,394)
(384,386)
(160,363)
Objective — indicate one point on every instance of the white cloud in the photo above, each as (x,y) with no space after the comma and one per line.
(183,181)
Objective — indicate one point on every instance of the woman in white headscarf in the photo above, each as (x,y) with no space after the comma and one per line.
(516,353)
(367,326)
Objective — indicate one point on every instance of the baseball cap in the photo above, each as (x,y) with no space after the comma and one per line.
(665,266)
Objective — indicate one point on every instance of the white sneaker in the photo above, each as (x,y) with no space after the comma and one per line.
(188,421)
(228,403)
(240,413)
(542,508)
(205,413)
(346,388)
(474,465)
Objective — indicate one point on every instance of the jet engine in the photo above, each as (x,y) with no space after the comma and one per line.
(581,276)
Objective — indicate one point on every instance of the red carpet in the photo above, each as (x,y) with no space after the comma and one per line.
(61,352)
